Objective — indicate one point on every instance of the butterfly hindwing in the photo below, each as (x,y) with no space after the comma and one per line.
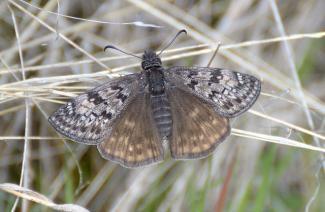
(134,140)
(89,117)
(230,92)
(197,128)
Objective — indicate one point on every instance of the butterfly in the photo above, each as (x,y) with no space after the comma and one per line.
(135,119)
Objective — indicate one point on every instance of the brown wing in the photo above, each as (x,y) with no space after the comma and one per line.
(197,128)
(134,140)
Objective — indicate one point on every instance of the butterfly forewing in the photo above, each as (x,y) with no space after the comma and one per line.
(88,118)
(230,92)
(197,128)
(134,140)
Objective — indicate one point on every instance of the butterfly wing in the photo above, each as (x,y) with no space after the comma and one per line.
(230,92)
(88,118)
(134,140)
(197,128)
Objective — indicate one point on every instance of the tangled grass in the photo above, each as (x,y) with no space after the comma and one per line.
(273,161)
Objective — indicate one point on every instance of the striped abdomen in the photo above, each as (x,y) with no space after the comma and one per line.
(162,114)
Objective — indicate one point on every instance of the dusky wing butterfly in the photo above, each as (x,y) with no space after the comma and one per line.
(133,118)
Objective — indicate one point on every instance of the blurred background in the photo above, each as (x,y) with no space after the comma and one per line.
(48,57)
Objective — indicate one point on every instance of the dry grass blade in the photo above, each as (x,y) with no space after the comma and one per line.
(25,169)
(275,139)
(39,198)
(61,35)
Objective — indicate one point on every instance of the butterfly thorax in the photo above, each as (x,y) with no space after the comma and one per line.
(152,66)
(160,106)
(156,81)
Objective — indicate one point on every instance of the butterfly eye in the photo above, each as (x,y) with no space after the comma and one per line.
(144,65)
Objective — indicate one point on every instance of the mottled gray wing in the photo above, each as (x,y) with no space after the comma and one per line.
(197,128)
(88,118)
(134,140)
(230,92)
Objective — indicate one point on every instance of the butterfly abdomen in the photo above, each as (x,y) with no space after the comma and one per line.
(162,114)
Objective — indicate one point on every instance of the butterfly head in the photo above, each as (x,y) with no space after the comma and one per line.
(150,59)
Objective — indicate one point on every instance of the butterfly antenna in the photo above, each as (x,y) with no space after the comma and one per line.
(172,41)
(214,54)
(127,53)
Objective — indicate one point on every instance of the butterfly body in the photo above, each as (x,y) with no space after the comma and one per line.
(131,118)
(152,67)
